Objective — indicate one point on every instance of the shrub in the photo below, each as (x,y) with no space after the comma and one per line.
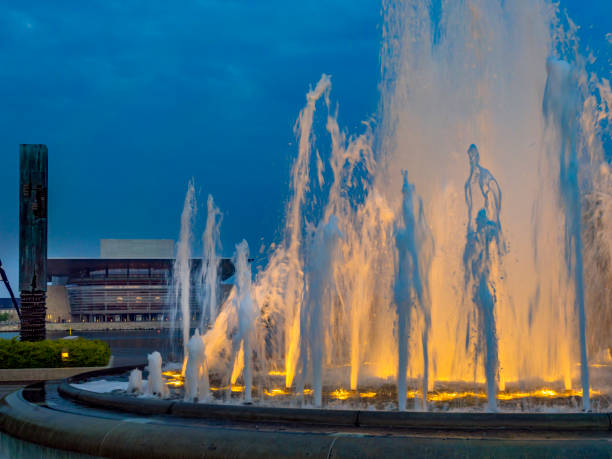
(48,353)
(4,316)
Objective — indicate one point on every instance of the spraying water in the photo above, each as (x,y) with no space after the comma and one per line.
(182,270)
(285,275)
(482,263)
(135,382)
(356,261)
(315,317)
(155,383)
(560,108)
(476,72)
(414,247)
(247,317)
(196,372)
(210,264)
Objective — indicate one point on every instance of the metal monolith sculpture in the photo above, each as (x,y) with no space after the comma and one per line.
(33,240)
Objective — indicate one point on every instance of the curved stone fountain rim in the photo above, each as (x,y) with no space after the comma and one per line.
(465,421)
(21,420)
(96,432)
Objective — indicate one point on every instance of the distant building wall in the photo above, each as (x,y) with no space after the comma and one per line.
(58,306)
(136,248)
(116,289)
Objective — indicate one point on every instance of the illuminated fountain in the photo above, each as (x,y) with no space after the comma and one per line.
(455,256)
(427,287)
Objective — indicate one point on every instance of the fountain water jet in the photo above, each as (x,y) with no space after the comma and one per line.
(560,108)
(414,247)
(196,372)
(155,381)
(210,264)
(182,270)
(482,263)
(247,316)
(320,294)
(135,382)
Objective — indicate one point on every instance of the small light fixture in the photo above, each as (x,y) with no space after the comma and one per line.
(65,354)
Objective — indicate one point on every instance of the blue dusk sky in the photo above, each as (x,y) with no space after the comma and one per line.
(134,98)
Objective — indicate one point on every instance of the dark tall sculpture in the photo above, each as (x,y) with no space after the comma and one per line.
(33,240)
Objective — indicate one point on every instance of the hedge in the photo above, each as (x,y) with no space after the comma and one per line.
(48,353)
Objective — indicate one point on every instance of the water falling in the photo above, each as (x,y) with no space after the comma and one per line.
(560,108)
(247,316)
(482,263)
(596,129)
(135,382)
(196,371)
(210,264)
(475,72)
(414,247)
(182,270)
(155,382)
(286,267)
(315,317)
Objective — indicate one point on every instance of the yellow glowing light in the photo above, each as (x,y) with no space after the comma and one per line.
(512,395)
(540,393)
(448,396)
(172,374)
(307,391)
(367,394)
(184,366)
(275,392)
(340,394)
(544,393)
(175,379)
(277,373)
(238,365)
(65,355)
(233,388)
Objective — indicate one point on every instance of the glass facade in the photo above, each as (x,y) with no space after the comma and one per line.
(121,290)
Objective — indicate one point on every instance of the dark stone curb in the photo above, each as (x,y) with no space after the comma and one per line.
(128,439)
(543,422)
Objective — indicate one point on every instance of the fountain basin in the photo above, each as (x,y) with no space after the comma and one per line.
(58,415)
(337,417)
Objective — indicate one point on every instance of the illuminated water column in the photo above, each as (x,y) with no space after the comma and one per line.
(33,182)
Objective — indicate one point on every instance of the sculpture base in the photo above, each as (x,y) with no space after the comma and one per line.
(33,312)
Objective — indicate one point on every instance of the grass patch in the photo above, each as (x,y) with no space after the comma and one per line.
(79,352)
